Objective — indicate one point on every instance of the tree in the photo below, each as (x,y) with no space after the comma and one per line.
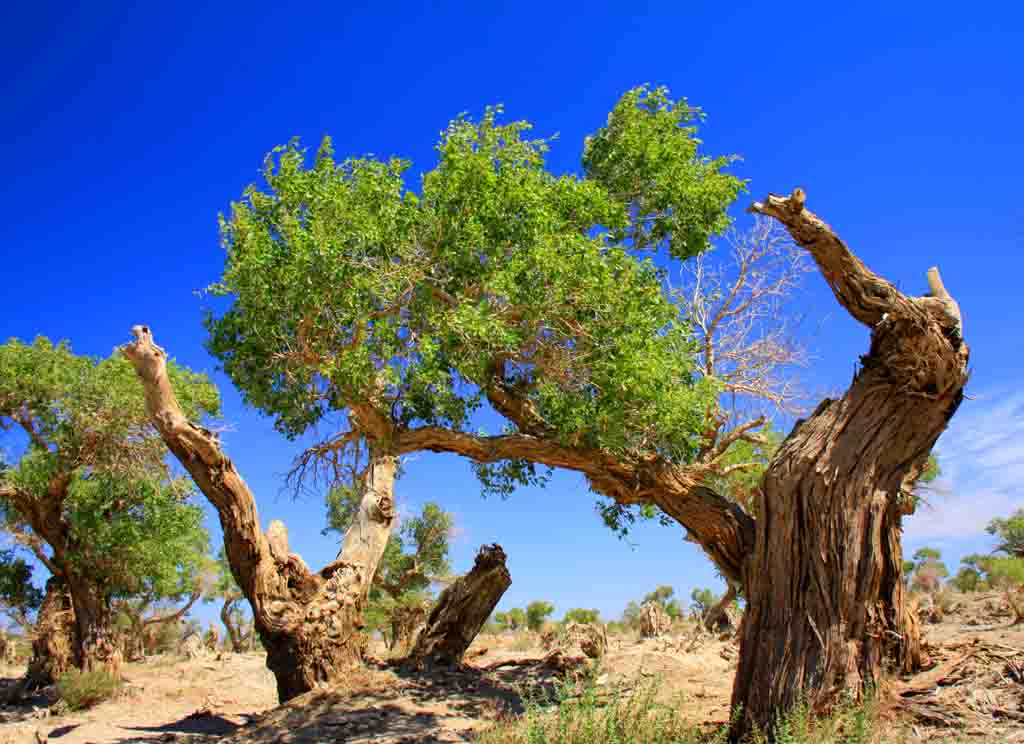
(662,596)
(703,600)
(91,494)
(1008,573)
(223,588)
(19,597)
(580,615)
(1010,532)
(498,283)
(414,558)
(537,612)
(929,570)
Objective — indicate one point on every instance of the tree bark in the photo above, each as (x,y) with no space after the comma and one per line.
(52,640)
(826,602)
(462,609)
(96,643)
(309,623)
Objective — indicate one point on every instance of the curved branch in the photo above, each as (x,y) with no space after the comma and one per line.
(177,614)
(721,527)
(864,294)
(200,453)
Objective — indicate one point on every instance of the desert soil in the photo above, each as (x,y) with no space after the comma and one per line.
(973,692)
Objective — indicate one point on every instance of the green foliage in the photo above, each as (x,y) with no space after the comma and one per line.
(81,690)
(702,600)
(580,615)
(925,555)
(663,596)
(1010,532)
(928,570)
(1006,572)
(136,537)
(349,288)
(537,612)
(16,588)
(95,467)
(414,557)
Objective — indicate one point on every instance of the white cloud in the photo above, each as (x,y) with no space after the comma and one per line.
(981,456)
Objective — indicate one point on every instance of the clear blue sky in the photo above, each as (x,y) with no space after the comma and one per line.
(126,128)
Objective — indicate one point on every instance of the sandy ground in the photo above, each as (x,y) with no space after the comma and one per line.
(973,692)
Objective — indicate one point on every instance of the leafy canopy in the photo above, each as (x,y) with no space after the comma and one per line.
(352,292)
(92,479)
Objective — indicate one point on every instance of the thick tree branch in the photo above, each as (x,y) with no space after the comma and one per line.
(276,582)
(200,453)
(722,528)
(177,614)
(865,295)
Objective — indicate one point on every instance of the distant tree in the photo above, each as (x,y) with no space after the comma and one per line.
(415,556)
(662,596)
(223,588)
(702,601)
(1008,574)
(516,618)
(631,615)
(929,570)
(1010,532)
(537,612)
(580,615)
(92,495)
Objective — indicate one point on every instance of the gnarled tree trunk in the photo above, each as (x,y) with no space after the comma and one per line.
(52,640)
(96,643)
(309,623)
(462,609)
(826,602)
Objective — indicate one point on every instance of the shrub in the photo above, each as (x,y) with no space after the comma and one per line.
(80,690)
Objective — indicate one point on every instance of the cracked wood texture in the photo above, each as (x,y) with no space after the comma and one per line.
(462,609)
(826,603)
(309,623)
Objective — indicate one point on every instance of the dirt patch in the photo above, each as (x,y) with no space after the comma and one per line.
(973,691)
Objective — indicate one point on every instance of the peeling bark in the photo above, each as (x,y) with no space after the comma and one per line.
(462,609)
(308,622)
(826,602)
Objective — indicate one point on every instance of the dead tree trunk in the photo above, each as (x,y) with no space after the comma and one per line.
(826,602)
(462,609)
(308,622)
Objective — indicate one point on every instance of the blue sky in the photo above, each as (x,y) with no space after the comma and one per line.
(128,127)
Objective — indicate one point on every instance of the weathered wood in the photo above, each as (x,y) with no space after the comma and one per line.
(462,609)
(825,596)
(309,623)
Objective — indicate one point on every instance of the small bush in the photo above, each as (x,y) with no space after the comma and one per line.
(80,690)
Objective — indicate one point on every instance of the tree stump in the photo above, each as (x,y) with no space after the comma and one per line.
(654,620)
(462,609)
